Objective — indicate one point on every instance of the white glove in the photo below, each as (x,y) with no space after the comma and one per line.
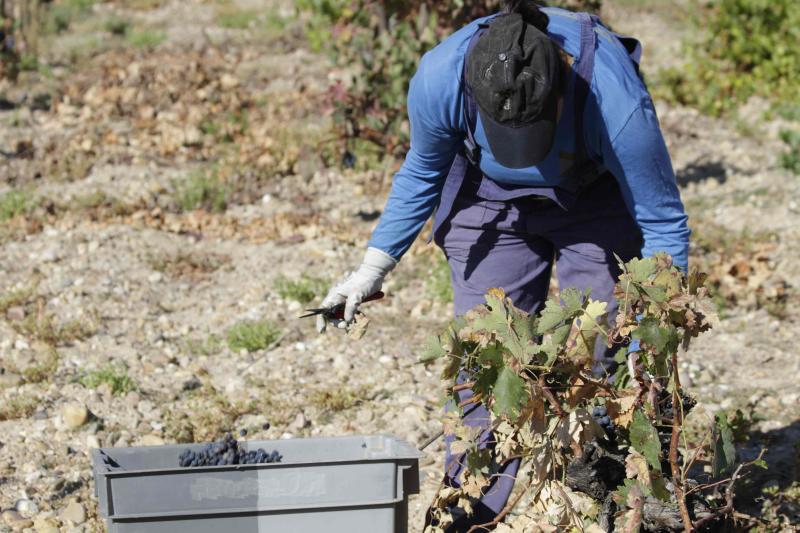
(365,281)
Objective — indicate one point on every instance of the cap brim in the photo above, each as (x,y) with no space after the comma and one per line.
(521,146)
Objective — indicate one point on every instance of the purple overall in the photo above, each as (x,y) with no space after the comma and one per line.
(497,235)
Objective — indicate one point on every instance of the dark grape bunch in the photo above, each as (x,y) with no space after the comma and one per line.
(600,414)
(228,451)
(665,403)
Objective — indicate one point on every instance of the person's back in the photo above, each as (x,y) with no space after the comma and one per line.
(536,140)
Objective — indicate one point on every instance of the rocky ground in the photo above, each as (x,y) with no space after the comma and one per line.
(127,317)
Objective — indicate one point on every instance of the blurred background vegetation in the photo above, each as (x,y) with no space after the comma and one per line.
(737,49)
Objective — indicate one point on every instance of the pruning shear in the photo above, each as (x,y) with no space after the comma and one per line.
(336,312)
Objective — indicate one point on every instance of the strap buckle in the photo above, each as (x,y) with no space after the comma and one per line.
(472,152)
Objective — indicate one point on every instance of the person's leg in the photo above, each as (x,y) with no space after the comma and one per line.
(597,228)
(486,247)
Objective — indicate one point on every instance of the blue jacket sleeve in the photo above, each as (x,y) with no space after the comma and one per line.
(436,135)
(638,158)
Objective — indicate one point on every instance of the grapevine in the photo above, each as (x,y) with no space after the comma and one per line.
(597,452)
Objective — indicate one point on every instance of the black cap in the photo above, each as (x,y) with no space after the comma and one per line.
(515,77)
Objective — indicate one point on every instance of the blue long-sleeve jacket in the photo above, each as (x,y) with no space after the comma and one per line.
(620,127)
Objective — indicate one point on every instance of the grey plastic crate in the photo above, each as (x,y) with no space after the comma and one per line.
(340,484)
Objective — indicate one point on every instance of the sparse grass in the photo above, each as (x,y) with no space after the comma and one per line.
(438,281)
(60,15)
(191,265)
(790,160)
(210,127)
(44,371)
(146,38)
(205,415)
(21,406)
(144,5)
(15,203)
(201,190)
(252,335)
(16,297)
(709,237)
(235,19)
(302,290)
(209,346)
(115,377)
(43,327)
(339,397)
(117,26)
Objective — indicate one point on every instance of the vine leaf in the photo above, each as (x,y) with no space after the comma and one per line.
(555,313)
(433,350)
(621,409)
(724,449)
(640,270)
(496,319)
(509,393)
(644,439)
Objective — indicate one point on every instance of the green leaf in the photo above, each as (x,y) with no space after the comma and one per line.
(644,439)
(491,354)
(659,487)
(433,350)
(640,270)
(724,449)
(573,299)
(761,463)
(661,339)
(485,380)
(552,315)
(509,393)
(497,318)
(656,293)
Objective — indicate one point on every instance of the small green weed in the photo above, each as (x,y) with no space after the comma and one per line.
(17,297)
(146,38)
(45,328)
(204,415)
(60,15)
(235,19)
(438,280)
(117,26)
(194,266)
(339,398)
(302,290)
(44,371)
(202,191)
(790,160)
(209,346)
(18,407)
(115,377)
(15,203)
(252,335)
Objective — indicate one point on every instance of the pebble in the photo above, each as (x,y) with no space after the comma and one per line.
(45,525)
(73,512)
(192,383)
(75,415)
(10,379)
(299,422)
(15,314)
(16,521)
(151,440)
(26,507)
(92,441)
(132,399)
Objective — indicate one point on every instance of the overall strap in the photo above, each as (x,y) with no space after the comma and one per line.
(470,109)
(583,81)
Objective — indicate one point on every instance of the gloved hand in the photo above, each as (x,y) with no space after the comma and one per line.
(365,281)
